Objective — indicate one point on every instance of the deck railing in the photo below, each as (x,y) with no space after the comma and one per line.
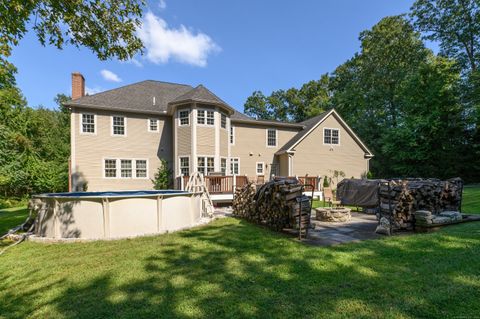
(216,184)
(228,183)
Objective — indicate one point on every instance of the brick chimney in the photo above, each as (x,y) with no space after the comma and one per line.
(78,85)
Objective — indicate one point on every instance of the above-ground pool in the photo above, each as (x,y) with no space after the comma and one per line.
(105,215)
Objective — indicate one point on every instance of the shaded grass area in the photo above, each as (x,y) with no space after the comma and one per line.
(231,268)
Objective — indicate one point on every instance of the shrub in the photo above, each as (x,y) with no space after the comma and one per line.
(163,177)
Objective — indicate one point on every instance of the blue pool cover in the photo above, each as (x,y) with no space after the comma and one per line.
(112,194)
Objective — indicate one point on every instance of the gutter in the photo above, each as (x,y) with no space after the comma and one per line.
(115,109)
(270,123)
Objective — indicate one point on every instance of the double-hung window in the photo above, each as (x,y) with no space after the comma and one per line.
(184,166)
(210,117)
(232,134)
(271,137)
(201,117)
(184,117)
(206,117)
(205,164)
(126,168)
(223,165)
(152,125)
(118,125)
(110,167)
(331,136)
(88,123)
(260,168)
(140,168)
(223,120)
(235,165)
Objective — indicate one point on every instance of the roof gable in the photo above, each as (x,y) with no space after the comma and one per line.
(312,123)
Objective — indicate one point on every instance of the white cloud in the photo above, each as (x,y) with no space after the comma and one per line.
(110,76)
(163,43)
(162,4)
(91,91)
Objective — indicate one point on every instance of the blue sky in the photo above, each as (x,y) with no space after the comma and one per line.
(232,47)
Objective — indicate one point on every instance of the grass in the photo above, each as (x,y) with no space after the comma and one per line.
(471,199)
(234,269)
(11,217)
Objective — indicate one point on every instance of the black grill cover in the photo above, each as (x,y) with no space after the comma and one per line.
(358,192)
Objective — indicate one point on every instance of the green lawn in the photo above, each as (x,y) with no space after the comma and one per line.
(11,217)
(234,269)
(471,199)
(231,268)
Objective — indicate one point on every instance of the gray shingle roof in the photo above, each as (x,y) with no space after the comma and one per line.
(135,97)
(308,125)
(199,94)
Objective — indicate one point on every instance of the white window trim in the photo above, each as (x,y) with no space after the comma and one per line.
(206,156)
(134,173)
(116,167)
(276,138)
(239,166)
(118,163)
(124,124)
(94,123)
(189,117)
(205,124)
(148,125)
(231,133)
(189,164)
(263,168)
(331,128)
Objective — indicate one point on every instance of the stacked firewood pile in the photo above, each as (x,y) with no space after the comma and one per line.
(243,201)
(403,197)
(275,204)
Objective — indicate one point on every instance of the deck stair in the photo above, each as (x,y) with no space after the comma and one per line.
(196,184)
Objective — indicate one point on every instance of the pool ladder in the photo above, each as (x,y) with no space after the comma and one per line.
(196,184)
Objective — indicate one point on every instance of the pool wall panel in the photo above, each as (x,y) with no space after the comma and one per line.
(114,216)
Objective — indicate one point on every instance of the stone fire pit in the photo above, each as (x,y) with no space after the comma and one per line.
(328,214)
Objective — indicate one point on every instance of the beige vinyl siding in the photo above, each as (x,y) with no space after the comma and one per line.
(223,142)
(252,139)
(91,150)
(184,140)
(283,161)
(205,140)
(314,158)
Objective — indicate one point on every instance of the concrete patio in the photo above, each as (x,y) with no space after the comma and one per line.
(359,227)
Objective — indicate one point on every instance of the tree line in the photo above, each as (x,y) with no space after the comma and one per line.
(419,112)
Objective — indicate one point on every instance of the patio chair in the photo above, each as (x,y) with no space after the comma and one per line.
(330,198)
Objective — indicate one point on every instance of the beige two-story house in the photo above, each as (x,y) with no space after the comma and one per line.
(118,138)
